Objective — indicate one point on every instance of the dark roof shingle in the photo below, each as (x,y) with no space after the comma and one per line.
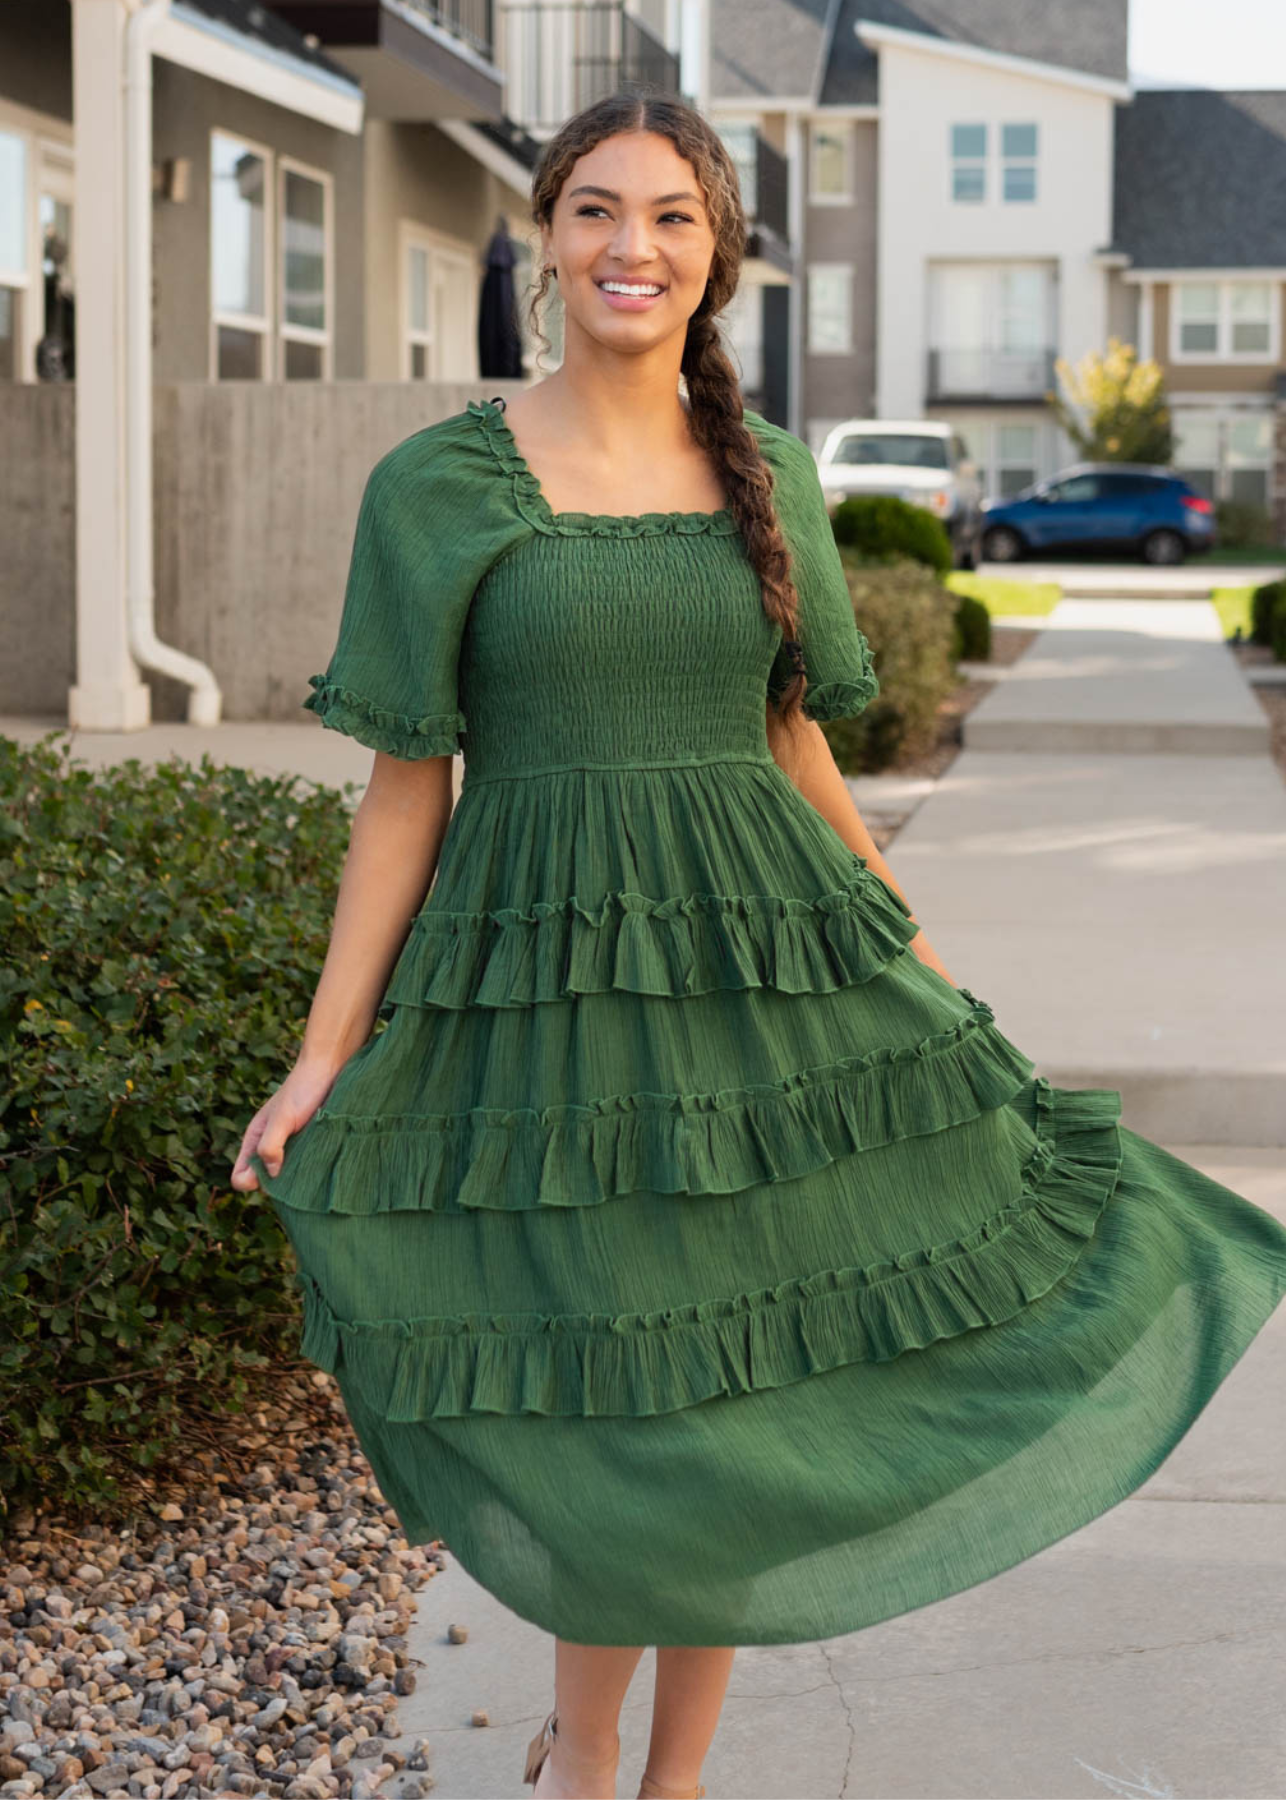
(1201,179)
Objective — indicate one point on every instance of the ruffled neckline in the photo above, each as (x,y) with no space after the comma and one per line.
(533,506)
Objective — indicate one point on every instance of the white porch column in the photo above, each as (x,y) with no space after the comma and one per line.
(108,695)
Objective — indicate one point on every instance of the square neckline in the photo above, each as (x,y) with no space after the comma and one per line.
(531,500)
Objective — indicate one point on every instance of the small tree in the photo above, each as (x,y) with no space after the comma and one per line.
(1113,407)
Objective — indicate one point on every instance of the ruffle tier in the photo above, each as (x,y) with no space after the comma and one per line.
(678,946)
(582,1154)
(643,1363)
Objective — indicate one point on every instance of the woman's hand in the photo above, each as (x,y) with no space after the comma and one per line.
(293,1104)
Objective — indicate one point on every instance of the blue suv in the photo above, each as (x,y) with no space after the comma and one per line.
(1148,512)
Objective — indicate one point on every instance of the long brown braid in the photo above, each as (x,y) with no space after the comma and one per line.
(714,395)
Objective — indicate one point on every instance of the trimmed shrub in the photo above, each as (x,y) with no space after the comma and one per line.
(973,629)
(1263,603)
(882,525)
(1278,634)
(1242,526)
(163,931)
(909,619)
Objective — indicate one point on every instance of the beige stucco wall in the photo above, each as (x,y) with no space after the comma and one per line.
(417,173)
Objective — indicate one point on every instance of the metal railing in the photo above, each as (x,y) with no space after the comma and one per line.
(972,374)
(762,173)
(560,57)
(472,21)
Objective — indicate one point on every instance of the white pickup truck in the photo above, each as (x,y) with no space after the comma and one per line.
(922,461)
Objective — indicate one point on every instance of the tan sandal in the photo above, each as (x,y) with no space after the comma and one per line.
(543,1742)
(655,1791)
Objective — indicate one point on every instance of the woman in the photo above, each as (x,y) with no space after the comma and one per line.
(701,1266)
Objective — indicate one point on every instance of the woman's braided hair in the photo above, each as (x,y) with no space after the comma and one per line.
(714,395)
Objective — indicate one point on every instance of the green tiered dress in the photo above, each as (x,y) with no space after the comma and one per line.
(694,1260)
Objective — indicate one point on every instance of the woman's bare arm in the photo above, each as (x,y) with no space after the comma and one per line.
(802,752)
(393,848)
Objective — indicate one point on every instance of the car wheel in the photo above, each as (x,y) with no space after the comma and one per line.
(1001,544)
(1163,547)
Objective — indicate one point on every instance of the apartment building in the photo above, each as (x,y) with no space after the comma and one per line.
(977,190)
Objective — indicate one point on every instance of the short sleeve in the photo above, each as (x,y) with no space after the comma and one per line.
(837,658)
(419,550)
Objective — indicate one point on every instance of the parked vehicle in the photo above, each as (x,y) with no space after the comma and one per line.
(920,460)
(1131,507)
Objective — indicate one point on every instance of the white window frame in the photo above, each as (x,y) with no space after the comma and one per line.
(43,150)
(288,333)
(843,129)
(845,272)
(1223,351)
(1222,415)
(263,324)
(1008,162)
(955,162)
(439,245)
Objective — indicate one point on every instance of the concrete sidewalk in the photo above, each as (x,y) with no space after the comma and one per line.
(1105,863)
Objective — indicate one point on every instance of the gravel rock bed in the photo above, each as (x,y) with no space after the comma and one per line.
(246,1636)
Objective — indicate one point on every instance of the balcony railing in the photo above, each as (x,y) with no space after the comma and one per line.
(560,57)
(472,21)
(971,374)
(761,170)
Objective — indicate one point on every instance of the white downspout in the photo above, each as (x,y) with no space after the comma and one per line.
(205,701)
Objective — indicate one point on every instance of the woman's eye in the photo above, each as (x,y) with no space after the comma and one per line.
(589,207)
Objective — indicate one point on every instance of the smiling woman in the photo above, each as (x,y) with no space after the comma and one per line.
(693,1255)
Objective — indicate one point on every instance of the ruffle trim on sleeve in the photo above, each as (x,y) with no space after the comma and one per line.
(840,699)
(713,1143)
(676,947)
(655,1362)
(435,734)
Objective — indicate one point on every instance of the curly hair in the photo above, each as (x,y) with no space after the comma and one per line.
(714,397)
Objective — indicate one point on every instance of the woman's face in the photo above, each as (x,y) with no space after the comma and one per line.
(630,211)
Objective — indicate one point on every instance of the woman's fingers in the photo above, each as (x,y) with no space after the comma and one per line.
(243,1176)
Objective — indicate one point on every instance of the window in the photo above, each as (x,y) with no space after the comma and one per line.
(304,324)
(991,330)
(1226,454)
(1009,454)
(439,304)
(1015,459)
(1077,490)
(1018,162)
(903,449)
(969,162)
(831,162)
(239,264)
(1225,321)
(830,307)
(14,259)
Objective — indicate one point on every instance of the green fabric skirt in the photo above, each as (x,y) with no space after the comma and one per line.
(752,1363)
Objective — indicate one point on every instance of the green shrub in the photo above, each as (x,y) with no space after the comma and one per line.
(1242,526)
(882,525)
(1278,633)
(1263,603)
(909,619)
(973,629)
(162,932)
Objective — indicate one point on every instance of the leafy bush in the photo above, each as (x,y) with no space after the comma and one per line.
(1242,526)
(973,629)
(1263,603)
(882,525)
(162,930)
(1277,635)
(909,619)
(1113,406)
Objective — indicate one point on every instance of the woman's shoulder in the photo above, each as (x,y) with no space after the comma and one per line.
(451,446)
(781,447)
